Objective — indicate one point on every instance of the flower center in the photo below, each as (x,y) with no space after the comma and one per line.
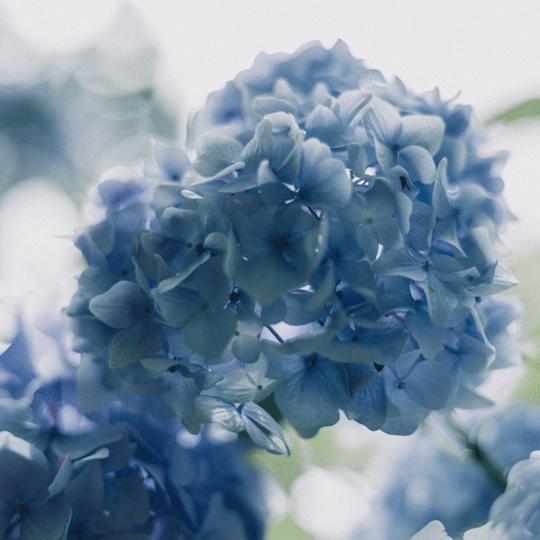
(311,360)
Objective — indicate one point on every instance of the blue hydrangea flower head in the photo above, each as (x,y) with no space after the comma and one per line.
(330,244)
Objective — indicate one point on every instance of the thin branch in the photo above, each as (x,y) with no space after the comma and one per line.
(313,213)
(478,454)
(274,333)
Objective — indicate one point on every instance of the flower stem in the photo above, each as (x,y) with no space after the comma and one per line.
(477,453)
(313,213)
(274,333)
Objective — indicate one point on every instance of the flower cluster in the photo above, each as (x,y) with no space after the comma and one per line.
(330,248)
(123,474)
(516,513)
(426,481)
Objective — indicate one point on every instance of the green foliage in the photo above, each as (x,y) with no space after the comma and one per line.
(526,270)
(526,110)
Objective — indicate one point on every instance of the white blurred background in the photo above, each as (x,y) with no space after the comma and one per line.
(489,51)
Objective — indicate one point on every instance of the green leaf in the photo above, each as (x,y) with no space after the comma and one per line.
(526,110)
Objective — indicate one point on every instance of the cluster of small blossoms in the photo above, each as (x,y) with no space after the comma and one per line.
(463,479)
(330,247)
(515,515)
(118,475)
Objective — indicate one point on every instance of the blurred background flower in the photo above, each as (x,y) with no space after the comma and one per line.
(68,115)
(65,116)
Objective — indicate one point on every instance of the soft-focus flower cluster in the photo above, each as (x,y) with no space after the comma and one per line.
(67,116)
(463,481)
(119,475)
(515,514)
(332,245)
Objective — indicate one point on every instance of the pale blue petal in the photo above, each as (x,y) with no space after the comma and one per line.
(371,404)
(422,130)
(24,470)
(209,332)
(398,262)
(323,182)
(121,306)
(441,199)
(215,153)
(440,299)
(418,163)
(246,348)
(322,124)
(430,339)
(132,344)
(383,121)
(264,430)
(48,520)
(430,383)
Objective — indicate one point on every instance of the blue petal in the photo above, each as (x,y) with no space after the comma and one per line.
(181,224)
(209,332)
(24,470)
(323,181)
(398,262)
(121,306)
(357,159)
(422,130)
(49,520)
(383,121)
(431,383)
(430,339)
(171,159)
(264,430)
(263,105)
(246,348)
(132,344)
(370,401)
(440,299)
(419,164)
(309,398)
(441,198)
(322,124)
(350,104)
(177,305)
(421,227)
(260,147)
(215,153)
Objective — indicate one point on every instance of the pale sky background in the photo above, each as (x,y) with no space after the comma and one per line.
(488,50)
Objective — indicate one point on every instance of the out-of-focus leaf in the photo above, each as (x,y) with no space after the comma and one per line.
(526,110)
